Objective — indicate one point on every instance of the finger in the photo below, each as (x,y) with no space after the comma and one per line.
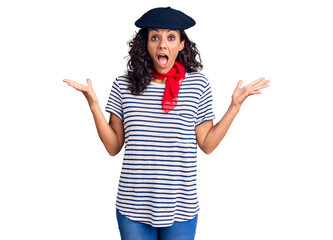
(260,86)
(256,81)
(265,82)
(75,85)
(70,82)
(255,92)
(89,82)
(66,80)
(239,84)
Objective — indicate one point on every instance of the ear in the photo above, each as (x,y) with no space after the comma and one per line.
(182,45)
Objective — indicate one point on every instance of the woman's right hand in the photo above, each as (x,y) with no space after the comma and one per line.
(87,91)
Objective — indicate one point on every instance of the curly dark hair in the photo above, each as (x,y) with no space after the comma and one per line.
(139,66)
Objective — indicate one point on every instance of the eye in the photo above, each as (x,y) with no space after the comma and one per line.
(172,37)
(154,38)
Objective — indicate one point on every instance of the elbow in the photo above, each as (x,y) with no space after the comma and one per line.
(113,152)
(207,150)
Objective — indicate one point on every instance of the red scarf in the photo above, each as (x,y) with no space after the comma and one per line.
(175,77)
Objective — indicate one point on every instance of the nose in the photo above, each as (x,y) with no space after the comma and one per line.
(162,44)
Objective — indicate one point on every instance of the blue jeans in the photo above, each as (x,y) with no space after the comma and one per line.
(132,230)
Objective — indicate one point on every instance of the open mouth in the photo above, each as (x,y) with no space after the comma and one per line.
(162,60)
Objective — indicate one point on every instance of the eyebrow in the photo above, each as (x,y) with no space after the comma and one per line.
(155,29)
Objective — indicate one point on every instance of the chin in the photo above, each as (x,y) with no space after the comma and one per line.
(163,70)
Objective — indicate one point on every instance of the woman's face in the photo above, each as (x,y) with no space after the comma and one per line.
(163,47)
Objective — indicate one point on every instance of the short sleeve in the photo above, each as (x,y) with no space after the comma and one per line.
(115,103)
(205,107)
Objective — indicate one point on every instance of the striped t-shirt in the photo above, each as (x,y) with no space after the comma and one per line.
(157,184)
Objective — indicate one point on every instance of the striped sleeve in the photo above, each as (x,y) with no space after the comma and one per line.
(205,108)
(115,103)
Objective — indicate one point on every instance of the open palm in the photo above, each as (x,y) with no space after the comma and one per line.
(87,91)
(240,94)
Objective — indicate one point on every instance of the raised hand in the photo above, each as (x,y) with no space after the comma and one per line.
(87,91)
(240,94)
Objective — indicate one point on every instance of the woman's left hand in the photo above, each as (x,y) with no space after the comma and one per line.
(240,94)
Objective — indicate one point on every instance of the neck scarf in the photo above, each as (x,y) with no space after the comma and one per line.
(174,80)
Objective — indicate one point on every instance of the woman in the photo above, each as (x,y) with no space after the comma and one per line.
(161,109)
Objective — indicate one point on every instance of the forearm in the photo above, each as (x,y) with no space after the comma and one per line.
(217,132)
(105,131)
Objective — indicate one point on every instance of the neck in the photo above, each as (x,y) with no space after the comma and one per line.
(155,80)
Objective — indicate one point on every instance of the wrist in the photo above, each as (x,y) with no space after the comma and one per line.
(234,107)
(93,105)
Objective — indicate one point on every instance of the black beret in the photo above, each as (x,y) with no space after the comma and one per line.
(165,18)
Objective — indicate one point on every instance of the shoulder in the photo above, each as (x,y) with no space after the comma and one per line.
(197,79)
(121,82)
(122,79)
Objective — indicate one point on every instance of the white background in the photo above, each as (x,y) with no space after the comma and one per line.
(270,177)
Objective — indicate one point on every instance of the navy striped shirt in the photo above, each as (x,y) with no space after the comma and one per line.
(157,184)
